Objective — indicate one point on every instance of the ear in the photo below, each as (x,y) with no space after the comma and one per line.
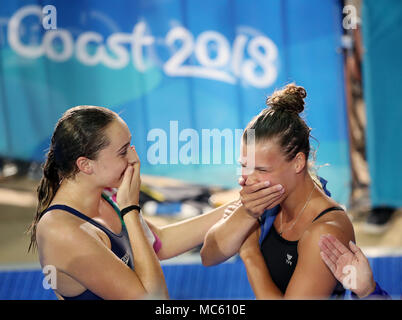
(299,162)
(84,165)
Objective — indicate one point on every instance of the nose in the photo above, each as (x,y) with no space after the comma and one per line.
(248,174)
(131,156)
(244,174)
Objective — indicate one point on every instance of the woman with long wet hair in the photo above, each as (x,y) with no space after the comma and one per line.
(101,248)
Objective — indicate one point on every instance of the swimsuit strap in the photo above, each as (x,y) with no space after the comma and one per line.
(79,215)
(328,210)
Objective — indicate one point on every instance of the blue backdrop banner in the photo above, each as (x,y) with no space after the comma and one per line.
(180,73)
(382,74)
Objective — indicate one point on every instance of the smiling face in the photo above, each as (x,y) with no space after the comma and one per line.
(270,165)
(112,161)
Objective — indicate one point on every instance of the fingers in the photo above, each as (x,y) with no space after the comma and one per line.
(261,200)
(329,249)
(353,247)
(337,244)
(328,243)
(258,206)
(254,187)
(275,202)
(258,197)
(356,250)
(261,193)
(135,162)
(133,156)
(136,168)
(229,210)
(328,261)
(128,174)
(123,194)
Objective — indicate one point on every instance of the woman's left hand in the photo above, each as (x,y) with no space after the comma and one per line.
(251,244)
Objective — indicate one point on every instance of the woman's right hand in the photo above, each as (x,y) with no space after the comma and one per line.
(129,191)
(260,196)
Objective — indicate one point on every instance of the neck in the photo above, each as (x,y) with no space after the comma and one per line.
(298,198)
(80,194)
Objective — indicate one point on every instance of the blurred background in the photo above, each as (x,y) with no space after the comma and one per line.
(177,71)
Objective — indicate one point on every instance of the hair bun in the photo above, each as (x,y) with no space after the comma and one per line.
(290,99)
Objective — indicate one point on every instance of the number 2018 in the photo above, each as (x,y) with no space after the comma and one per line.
(259,69)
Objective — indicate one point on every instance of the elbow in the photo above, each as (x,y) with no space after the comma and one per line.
(206,261)
(209,257)
(210,252)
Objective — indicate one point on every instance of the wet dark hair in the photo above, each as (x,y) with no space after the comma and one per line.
(80,132)
(281,121)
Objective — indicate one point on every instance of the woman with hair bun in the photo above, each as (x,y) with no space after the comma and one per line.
(283,209)
(101,248)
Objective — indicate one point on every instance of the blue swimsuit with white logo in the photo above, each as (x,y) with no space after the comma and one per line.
(120,244)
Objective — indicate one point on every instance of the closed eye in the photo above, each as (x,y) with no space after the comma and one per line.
(123,150)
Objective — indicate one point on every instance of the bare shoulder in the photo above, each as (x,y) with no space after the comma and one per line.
(59,225)
(335,222)
(82,259)
(58,232)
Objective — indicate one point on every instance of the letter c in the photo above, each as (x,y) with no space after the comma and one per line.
(13,34)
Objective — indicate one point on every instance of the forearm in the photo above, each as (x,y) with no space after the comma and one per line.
(146,263)
(259,278)
(191,232)
(225,238)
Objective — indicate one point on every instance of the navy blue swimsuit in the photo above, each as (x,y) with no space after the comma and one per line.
(120,244)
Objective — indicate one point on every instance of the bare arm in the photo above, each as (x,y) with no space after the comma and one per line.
(182,236)
(83,256)
(225,238)
(311,278)
(146,263)
(257,272)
